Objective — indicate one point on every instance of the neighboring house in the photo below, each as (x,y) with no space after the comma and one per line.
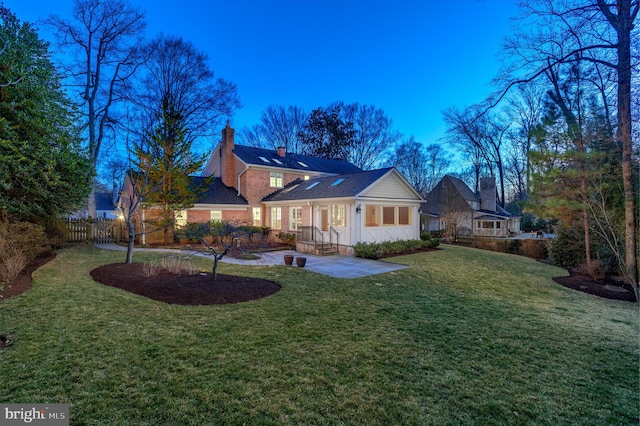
(105,207)
(319,200)
(452,207)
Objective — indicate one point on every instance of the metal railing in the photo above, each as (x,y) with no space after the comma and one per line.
(319,238)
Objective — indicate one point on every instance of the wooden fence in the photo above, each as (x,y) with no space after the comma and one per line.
(96,231)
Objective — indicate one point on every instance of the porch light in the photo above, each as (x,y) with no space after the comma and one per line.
(358,208)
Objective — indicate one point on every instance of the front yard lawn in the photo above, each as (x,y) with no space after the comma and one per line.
(462,337)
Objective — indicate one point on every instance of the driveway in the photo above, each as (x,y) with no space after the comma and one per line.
(336,266)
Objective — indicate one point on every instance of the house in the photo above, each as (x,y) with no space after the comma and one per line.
(454,208)
(328,204)
(105,207)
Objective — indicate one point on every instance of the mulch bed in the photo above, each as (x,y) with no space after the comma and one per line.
(23,282)
(183,289)
(607,289)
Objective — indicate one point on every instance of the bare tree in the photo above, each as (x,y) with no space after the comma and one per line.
(278,127)
(423,167)
(480,133)
(374,134)
(594,31)
(102,37)
(175,70)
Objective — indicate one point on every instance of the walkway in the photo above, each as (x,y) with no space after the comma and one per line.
(336,266)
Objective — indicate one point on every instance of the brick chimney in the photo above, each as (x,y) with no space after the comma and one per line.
(227,172)
(488,193)
(282,151)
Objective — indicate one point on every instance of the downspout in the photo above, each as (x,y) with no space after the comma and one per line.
(144,230)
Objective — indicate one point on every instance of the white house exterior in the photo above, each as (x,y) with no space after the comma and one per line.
(342,210)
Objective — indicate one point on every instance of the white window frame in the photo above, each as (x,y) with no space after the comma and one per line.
(276,218)
(276,180)
(256,216)
(181,218)
(339,216)
(216,215)
(295,218)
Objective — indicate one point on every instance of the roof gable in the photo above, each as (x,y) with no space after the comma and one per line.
(392,186)
(269,158)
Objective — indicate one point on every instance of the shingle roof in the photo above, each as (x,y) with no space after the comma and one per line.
(252,155)
(343,185)
(104,201)
(463,189)
(217,192)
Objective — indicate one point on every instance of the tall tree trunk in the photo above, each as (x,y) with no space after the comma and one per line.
(624,136)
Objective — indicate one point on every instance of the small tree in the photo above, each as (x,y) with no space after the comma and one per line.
(227,232)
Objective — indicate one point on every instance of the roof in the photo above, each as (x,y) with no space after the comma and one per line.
(270,158)
(217,192)
(463,189)
(104,201)
(343,185)
(435,198)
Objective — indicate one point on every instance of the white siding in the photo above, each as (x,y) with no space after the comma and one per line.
(390,186)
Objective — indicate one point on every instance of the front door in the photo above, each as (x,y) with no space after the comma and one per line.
(324,219)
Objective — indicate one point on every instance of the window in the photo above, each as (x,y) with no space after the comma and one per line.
(306,177)
(275,160)
(487,224)
(372,215)
(303,164)
(216,215)
(312,185)
(338,182)
(295,218)
(181,218)
(257,216)
(404,216)
(264,160)
(275,180)
(339,216)
(387,215)
(276,218)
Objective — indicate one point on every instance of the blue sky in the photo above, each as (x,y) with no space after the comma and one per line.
(411,58)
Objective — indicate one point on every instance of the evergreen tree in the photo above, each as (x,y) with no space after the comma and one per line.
(43,172)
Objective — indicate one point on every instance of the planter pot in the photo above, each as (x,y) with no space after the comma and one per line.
(288,260)
(301,261)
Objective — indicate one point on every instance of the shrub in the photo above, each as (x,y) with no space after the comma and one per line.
(20,243)
(377,250)
(567,249)
(368,250)
(287,238)
(173,264)
(425,236)
(535,249)
(12,265)
(57,233)
(150,269)
(432,243)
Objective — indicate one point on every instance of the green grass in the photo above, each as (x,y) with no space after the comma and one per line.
(462,337)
